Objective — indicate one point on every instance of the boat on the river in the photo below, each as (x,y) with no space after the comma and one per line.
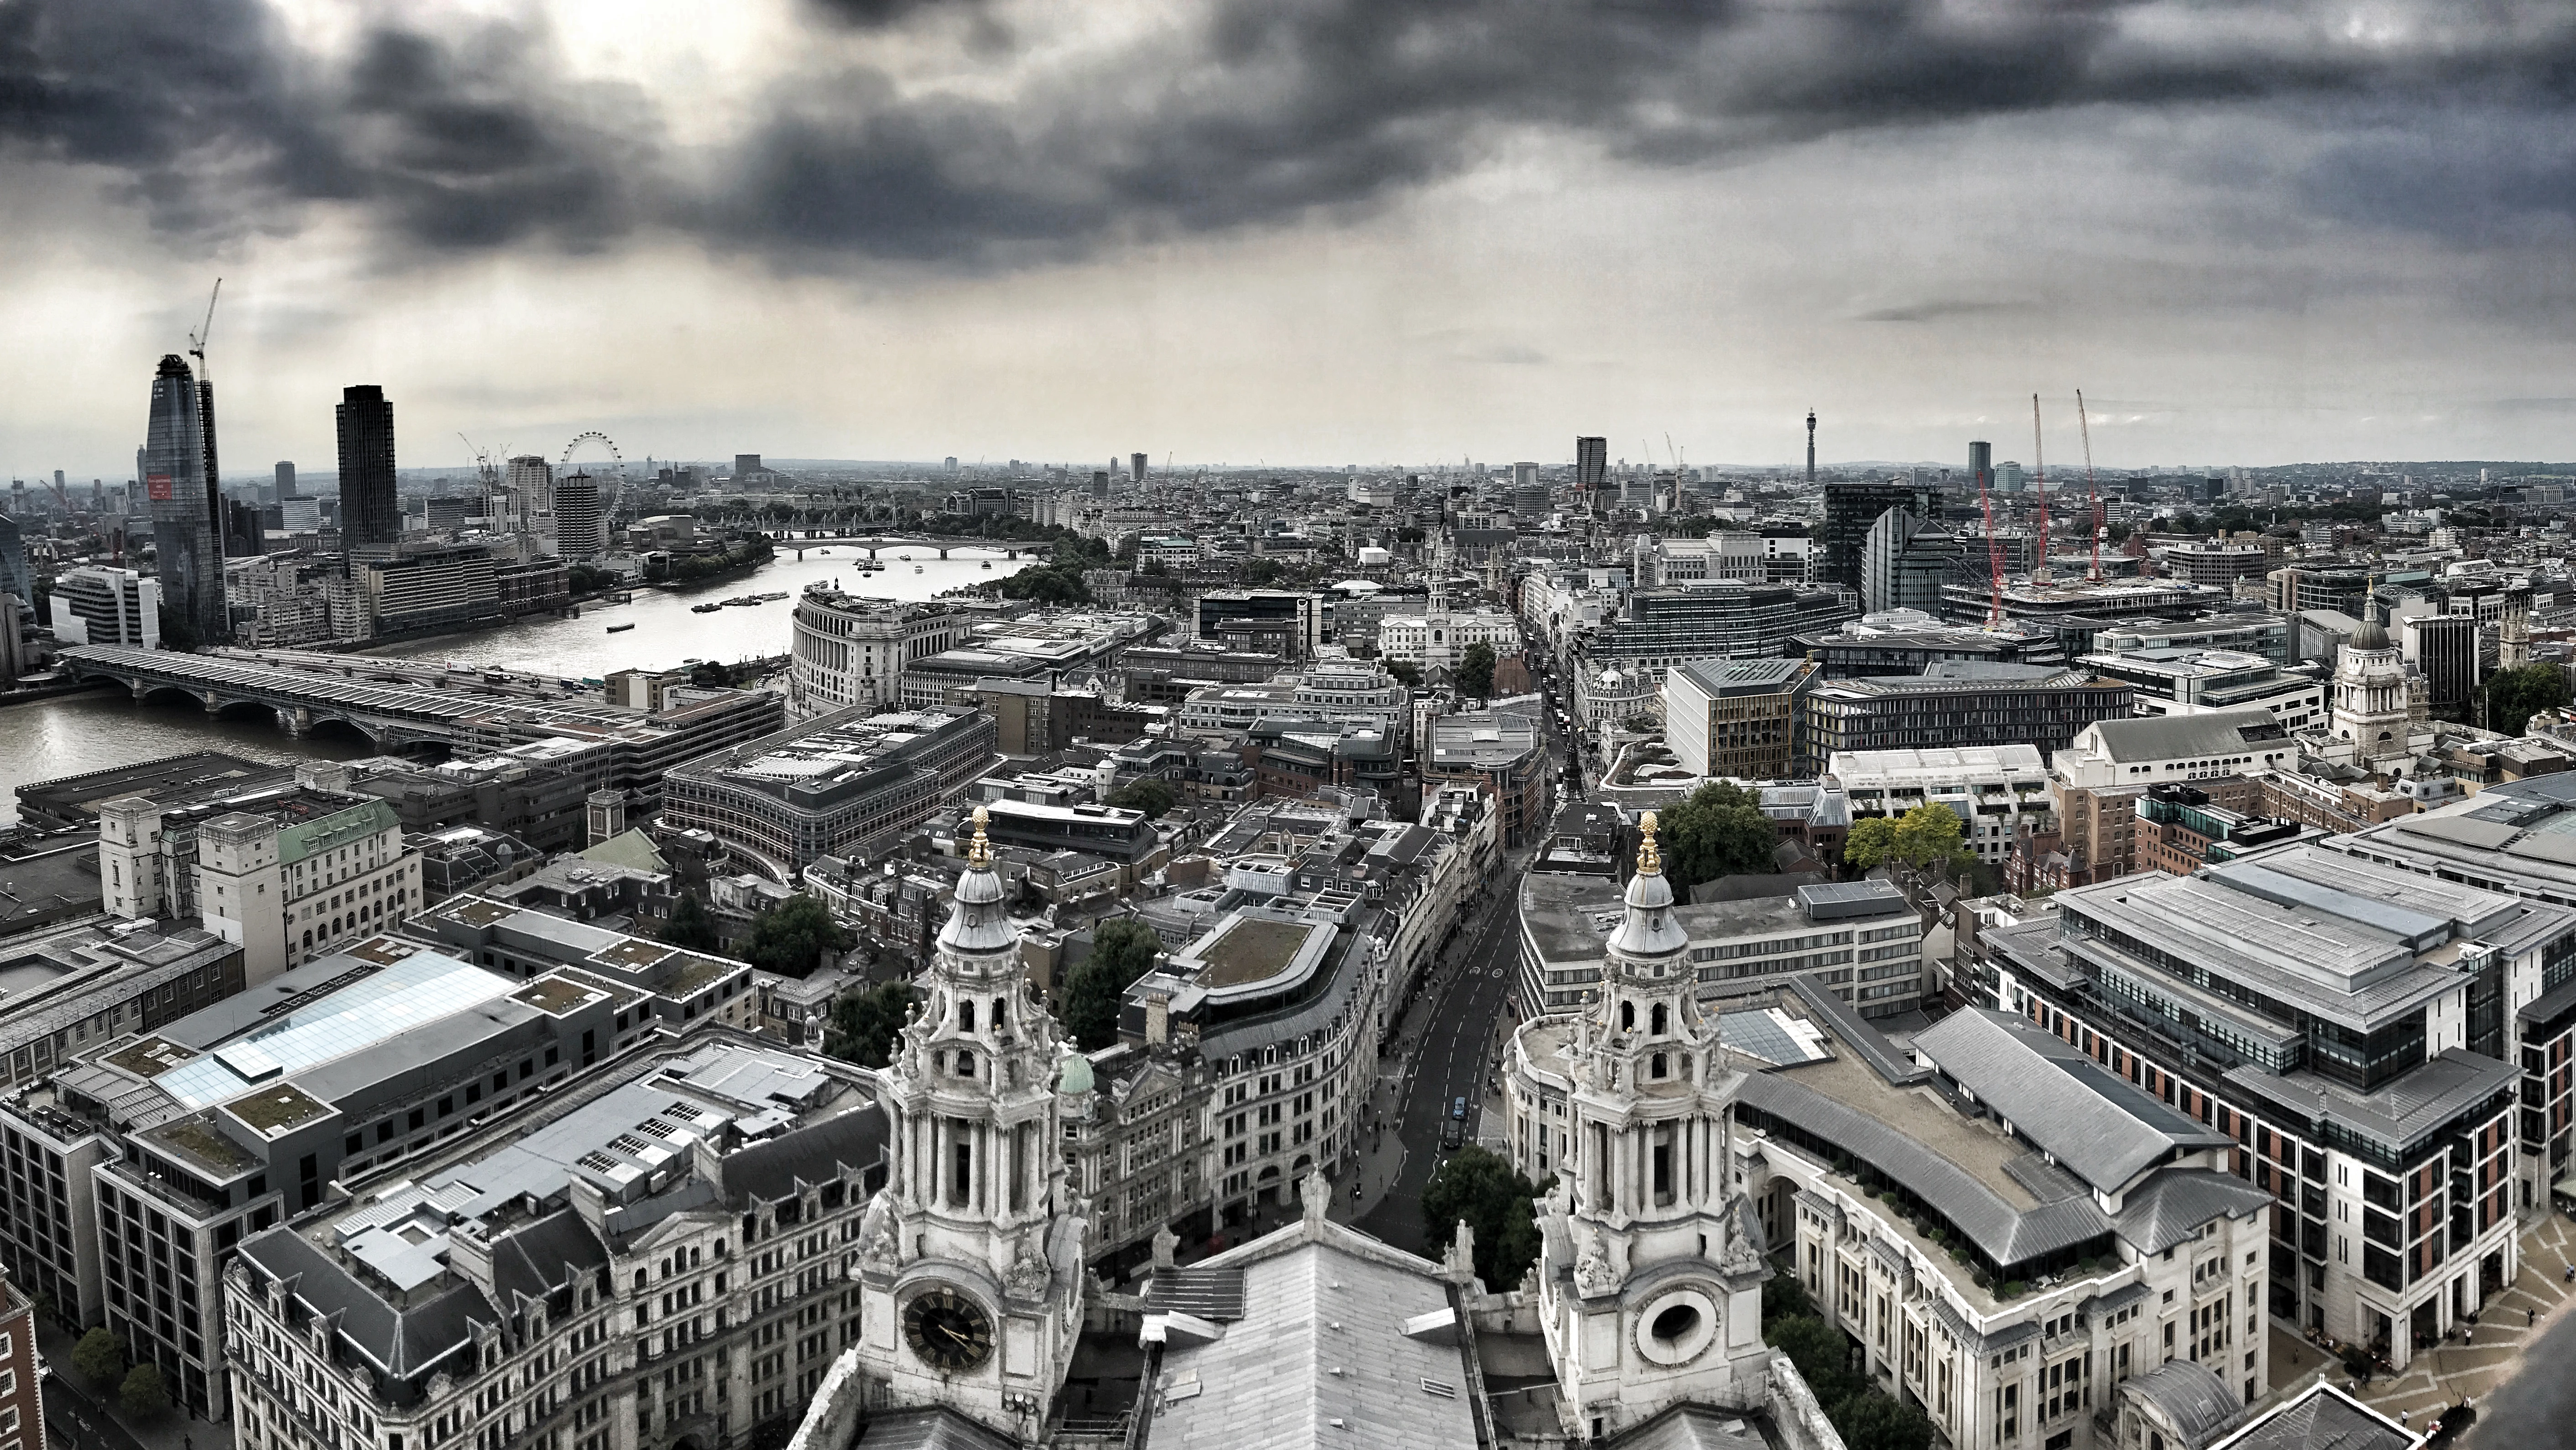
(988,563)
(621,628)
(704,608)
(916,568)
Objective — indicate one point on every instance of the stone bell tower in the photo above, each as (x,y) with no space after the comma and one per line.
(971,1261)
(1650,1283)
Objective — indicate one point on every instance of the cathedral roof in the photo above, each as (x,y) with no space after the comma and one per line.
(2371,635)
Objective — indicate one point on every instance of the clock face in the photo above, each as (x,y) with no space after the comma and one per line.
(950,1332)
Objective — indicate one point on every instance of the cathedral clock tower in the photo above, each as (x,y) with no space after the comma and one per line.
(1650,1282)
(971,1257)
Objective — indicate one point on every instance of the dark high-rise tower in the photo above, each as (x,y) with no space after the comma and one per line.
(215,511)
(1981,467)
(1811,445)
(1850,508)
(370,518)
(186,538)
(1591,469)
(286,481)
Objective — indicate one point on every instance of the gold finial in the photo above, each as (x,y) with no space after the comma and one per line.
(1650,861)
(980,851)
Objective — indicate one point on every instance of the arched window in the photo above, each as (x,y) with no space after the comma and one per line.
(966,1014)
(965,1064)
(1657,1021)
(1627,1016)
(1657,1067)
(1001,1013)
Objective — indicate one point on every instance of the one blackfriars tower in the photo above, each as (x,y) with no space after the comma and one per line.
(187,539)
(370,516)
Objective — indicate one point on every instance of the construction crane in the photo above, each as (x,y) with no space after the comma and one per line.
(2092,494)
(2039,481)
(1994,554)
(198,339)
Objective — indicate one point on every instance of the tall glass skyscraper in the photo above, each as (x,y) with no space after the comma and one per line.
(185,535)
(370,517)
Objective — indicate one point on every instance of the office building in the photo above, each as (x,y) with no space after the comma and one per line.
(286,481)
(189,1139)
(1135,467)
(187,537)
(2353,1027)
(14,578)
(1908,642)
(531,485)
(2097,782)
(1735,718)
(1901,1183)
(1981,468)
(851,650)
(2266,634)
(1591,470)
(746,465)
(245,529)
(285,875)
(370,514)
(580,517)
(425,588)
(1998,792)
(1955,704)
(2214,563)
(1905,560)
(2190,681)
(1502,752)
(1850,509)
(1297,618)
(2444,649)
(837,785)
(1660,628)
(779,1153)
(98,605)
(13,656)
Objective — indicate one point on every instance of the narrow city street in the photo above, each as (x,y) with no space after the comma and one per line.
(1444,1051)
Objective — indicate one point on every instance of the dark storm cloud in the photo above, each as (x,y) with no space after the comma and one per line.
(217,124)
(1237,113)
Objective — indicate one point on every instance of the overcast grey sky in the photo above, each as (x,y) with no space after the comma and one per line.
(1297,230)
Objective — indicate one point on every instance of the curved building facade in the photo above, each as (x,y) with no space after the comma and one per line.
(852,650)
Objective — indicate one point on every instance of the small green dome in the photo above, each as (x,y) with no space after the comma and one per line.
(1076,1077)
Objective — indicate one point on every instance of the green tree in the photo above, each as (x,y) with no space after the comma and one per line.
(1821,1354)
(99,1357)
(1480,1187)
(1928,837)
(1258,572)
(2514,696)
(864,1024)
(1121,951)
(1873,1420)
(1719,831)
(789,940)
(1783,1297)
(691,927)
(1476,670)
(142,1396)
(1406,673)
(1153,797)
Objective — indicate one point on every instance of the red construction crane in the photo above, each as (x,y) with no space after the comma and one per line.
(1994,554)
(2092,494)
(2039,481)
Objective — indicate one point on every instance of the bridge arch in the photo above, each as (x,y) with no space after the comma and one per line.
(236,709)
(149,694)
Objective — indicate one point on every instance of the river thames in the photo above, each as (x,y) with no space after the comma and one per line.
(70,734)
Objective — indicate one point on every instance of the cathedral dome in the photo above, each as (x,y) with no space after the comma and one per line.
(1648,930)
(978,925)
(1075,1078)
(2371,635)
